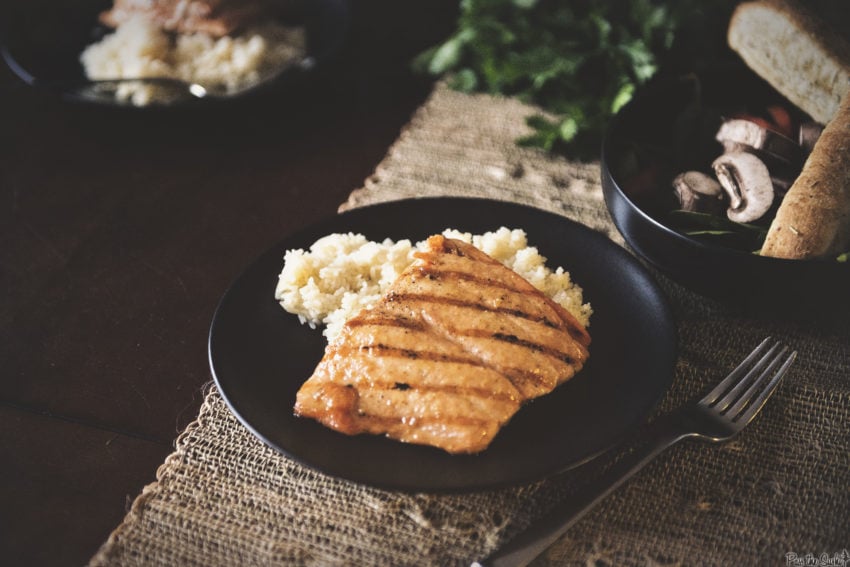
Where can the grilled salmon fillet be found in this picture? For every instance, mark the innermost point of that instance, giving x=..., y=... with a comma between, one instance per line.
x=447, y=356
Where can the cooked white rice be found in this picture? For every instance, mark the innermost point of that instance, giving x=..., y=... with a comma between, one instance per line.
x=342, y=274
x=139, y=49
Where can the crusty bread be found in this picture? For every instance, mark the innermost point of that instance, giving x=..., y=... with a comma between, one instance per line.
x=813, y=220
x=799, y=54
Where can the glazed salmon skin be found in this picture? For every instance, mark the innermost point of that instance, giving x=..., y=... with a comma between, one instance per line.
x=447, y=356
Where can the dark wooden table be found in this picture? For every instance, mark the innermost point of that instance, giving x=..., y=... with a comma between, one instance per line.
x=120, y=231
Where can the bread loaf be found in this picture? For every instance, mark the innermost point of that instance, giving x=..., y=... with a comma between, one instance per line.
x=813, y=220
x=799, y=54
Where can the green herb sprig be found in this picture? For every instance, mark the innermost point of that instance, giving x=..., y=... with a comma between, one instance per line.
x=718, y=230
x=579, y=60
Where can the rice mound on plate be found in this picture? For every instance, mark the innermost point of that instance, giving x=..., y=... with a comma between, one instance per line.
x=138, y=49
x=342, y=274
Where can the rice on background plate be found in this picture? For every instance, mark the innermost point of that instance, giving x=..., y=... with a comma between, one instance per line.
x=139, y=49
x=341, y=274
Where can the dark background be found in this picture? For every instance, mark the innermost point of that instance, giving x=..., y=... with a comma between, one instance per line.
x=120, y=231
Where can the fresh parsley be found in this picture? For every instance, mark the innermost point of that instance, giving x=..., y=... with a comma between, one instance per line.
x=579, y=60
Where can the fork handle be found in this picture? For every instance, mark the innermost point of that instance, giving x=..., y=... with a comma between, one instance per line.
x=538, y=537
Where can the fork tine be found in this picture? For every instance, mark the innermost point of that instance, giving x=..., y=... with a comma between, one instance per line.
x=772, y=360
x=756, y=405
x=735, y=375
x=734, y=394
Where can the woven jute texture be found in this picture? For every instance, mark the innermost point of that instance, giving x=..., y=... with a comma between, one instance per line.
x=782, y=487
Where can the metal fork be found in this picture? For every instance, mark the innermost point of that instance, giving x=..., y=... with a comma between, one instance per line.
x=718, y=416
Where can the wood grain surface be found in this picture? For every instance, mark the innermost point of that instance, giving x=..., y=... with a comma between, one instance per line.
x=120, y=231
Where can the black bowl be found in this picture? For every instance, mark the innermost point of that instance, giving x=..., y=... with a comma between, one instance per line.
x=668, y=128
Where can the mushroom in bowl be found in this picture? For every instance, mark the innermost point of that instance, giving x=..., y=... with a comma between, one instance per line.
x=693, y=189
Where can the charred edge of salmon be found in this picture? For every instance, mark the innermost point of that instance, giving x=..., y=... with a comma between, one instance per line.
x=573, y=327
x=441, y=244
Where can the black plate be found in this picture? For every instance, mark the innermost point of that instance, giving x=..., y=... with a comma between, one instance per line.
x=42, y=41
x=260, y=355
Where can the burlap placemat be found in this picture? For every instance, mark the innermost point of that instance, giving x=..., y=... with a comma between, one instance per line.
x=783, y=487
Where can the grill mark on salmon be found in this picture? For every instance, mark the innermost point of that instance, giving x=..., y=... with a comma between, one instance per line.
x=513, y=339
x=432, y=273
x=517, y=376
x=447, y=356
x=562, y=318
x=385, y=321
x=461, y=391
x=385, y=422
x=473, y=305
x=386, y=350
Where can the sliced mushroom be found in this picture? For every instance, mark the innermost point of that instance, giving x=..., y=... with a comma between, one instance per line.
x=745, y=135
x=780, y=185
x=698, y=192
x=746, y=180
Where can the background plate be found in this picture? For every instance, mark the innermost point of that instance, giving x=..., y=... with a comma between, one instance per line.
x=260, y=355
x=41, y=42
